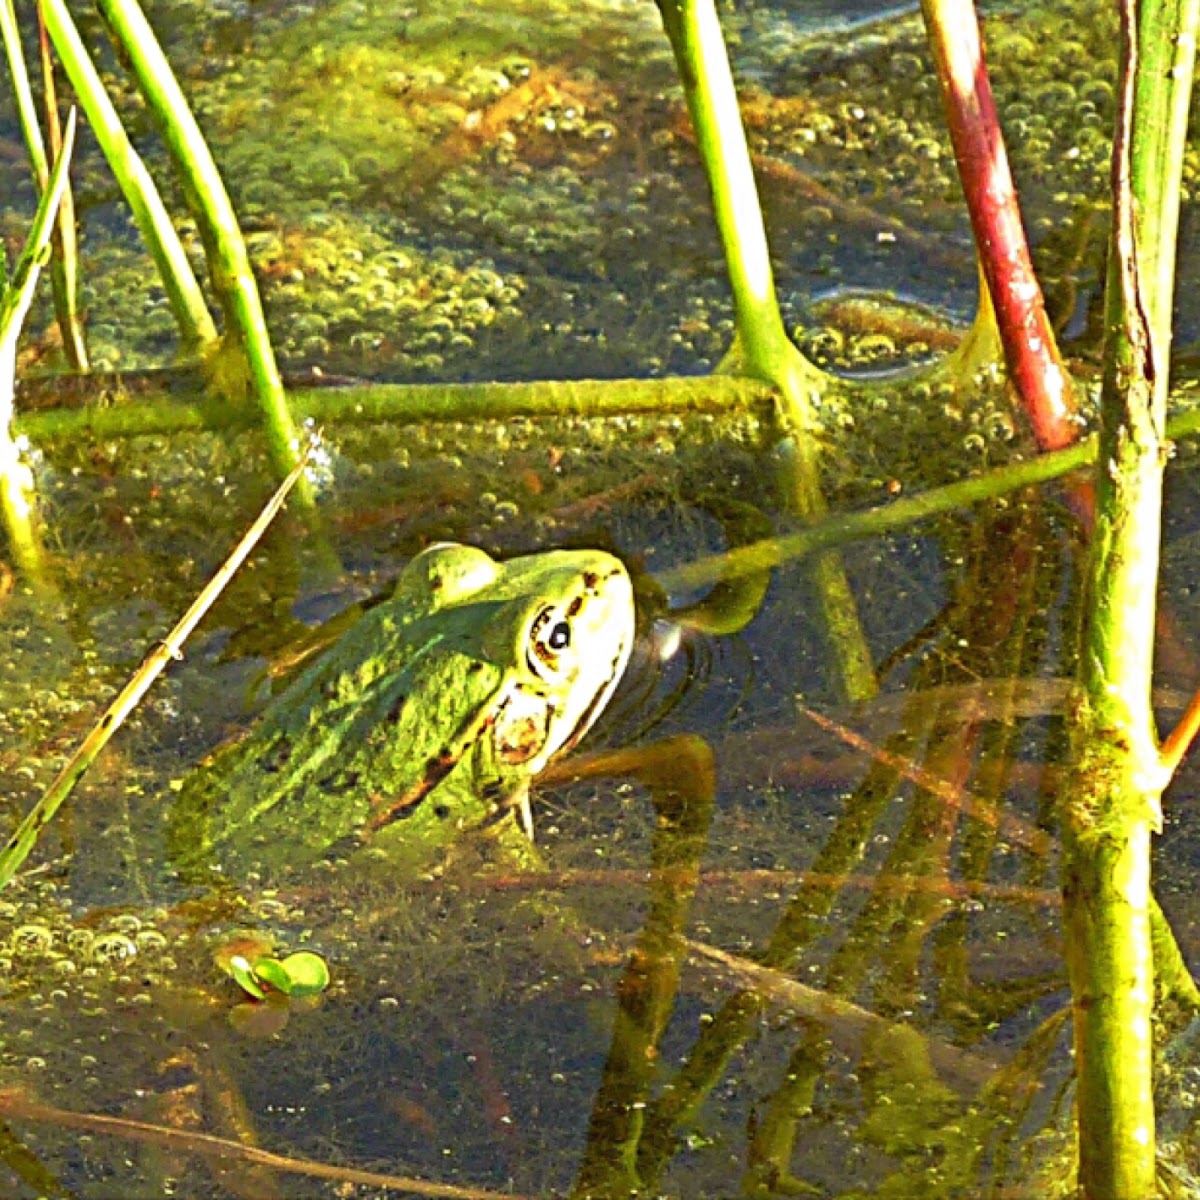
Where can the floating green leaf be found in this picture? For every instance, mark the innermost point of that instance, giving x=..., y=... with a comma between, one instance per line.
x=300, y=974
x=250, y=961
x=246, y=976
x=273, y=973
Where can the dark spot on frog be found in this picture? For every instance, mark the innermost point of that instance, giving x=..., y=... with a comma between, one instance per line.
x=574, y=607
x=337, y=783
x=404, y=805
x=591, y=581
x=276, y=758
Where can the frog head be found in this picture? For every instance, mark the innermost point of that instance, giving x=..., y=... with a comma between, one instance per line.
x=533, y=648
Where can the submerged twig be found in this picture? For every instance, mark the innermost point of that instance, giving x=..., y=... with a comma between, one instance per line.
x=17, y=1107
x=953, y=794
x=757, y=881
x=680, y=774
x=846, y=1023
x=17, y=848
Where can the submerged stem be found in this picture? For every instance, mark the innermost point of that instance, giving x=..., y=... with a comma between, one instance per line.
x=763, y=349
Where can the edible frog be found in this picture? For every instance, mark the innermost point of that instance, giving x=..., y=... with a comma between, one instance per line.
x=426, y=721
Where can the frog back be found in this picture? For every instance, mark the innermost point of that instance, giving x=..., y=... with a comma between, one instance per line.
x=359, y=741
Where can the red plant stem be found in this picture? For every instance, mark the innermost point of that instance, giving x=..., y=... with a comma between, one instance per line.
x=1030, y=348
x=1181, y=737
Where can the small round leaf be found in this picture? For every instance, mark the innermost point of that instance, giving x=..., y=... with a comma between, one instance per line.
x=307, y=972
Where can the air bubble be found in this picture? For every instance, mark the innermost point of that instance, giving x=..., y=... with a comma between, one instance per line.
x=111, y=948
x=31, y=940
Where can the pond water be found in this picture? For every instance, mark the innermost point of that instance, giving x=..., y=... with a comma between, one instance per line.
x=781, y=943
x=432, y=194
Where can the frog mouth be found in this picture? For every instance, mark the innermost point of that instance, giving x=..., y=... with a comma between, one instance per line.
x=599, y=700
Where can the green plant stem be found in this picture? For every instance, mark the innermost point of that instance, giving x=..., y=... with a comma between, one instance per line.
x=416, y=404
x=763, y=349
x=23, y=93
x=466, y=402
x=425, y=403
x=1111, y=803
x=62, y=271
x=874, y=522
x=16, y=500
x=1163, y=87
x=228, y=261
x=898, y=514
x=18, y=293
x=196, y=328
x=714, y=394
x=1173, y=980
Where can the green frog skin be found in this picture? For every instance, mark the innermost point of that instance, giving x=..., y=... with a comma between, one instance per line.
x=424, y=723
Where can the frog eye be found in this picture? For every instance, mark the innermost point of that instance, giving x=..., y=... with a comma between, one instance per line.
x=549, y=635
